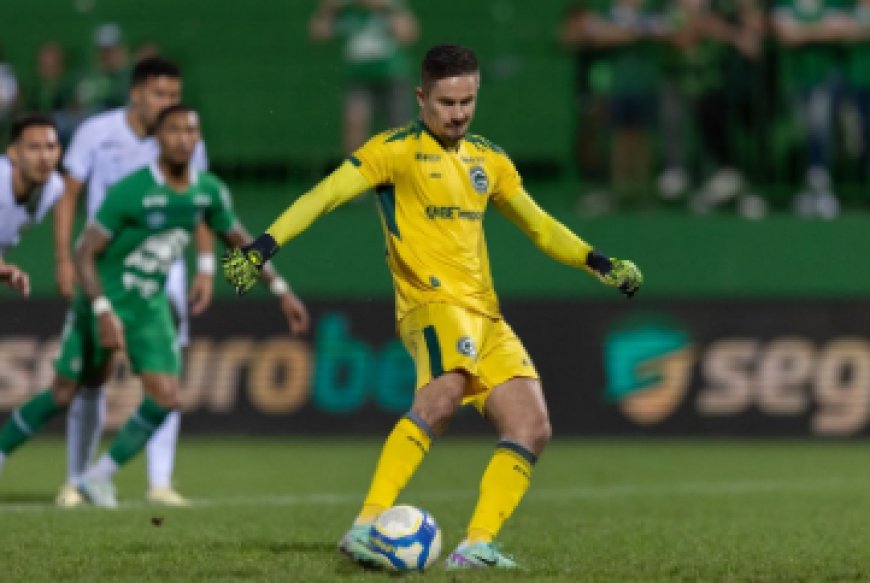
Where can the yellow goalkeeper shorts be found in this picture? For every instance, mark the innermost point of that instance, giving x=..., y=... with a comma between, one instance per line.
x=445, y=337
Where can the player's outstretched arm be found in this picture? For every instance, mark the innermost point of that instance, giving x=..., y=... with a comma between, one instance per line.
x=91, y=243
x=242, y=266
x=292, y=307
x=15, y=278
x=557, y=241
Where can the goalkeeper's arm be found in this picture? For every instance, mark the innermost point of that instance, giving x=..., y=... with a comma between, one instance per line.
x=242, y=266
x=557, y=241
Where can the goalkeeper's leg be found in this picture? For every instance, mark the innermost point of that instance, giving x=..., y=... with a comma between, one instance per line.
x=406, y=446
x=519, y=413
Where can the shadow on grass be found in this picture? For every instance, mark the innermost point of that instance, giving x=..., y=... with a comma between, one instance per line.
x=35, y=499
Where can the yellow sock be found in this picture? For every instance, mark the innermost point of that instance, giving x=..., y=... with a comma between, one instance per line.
x=503, y=485
x=402, y=453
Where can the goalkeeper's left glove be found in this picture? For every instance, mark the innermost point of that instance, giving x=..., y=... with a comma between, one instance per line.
x=619, y=273
x=242, y=267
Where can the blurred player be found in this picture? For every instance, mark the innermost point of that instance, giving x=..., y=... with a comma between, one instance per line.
x=29, y=187
x=433, y=183
x=104, y=149
x=122, y=258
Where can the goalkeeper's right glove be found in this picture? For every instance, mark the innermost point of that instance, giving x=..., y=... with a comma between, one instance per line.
x=242, y=267
x=619, y=273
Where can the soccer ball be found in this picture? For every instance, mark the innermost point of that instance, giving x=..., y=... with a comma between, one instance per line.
x=407, y=538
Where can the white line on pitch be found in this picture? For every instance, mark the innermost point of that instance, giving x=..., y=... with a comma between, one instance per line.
x=746, y=487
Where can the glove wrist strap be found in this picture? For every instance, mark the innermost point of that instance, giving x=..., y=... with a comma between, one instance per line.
x=599, y=262
x=261, y=249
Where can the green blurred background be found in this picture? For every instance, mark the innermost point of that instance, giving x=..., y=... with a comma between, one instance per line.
x=268, y=94
x=271, y=101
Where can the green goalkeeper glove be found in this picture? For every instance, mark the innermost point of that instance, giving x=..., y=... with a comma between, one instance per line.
x=242, y=267
x=619, y=273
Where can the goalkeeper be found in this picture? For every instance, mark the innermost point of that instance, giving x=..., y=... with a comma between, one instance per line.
x=433, y=182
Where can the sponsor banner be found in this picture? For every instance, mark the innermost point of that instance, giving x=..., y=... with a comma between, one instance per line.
x=693, y=368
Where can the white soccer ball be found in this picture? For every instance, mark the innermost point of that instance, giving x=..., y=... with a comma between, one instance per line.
x=407, y=538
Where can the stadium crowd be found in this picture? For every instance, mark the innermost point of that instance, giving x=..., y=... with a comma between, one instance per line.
x=702, y=93
x=699, y=101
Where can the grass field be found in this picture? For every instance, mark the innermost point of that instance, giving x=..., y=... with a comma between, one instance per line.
x=271, y=510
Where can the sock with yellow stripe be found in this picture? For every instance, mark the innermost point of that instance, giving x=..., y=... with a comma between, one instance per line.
x=403, y=451
x=27, y=420
x=503, y=485
x=137, y=431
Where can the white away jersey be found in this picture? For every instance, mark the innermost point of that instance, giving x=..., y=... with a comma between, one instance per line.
x=105, y=149
x=15, y=217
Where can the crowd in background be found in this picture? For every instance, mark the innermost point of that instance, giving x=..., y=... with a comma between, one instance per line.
x=701, y=96
x=698, y=101
x=72, y=90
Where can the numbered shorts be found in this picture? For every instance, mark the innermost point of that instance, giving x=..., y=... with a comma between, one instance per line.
x=445, y=337
x=149, y=333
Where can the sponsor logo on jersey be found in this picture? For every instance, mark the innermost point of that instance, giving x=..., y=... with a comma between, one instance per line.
x=201, y=199
x=466, y=346
x=452, y=212
x=424, y=157
x=479, y=179
x=152, y=200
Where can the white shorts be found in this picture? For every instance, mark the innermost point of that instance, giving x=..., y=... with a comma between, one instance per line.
x=176, y=290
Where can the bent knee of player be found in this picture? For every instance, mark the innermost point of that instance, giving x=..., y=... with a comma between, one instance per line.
x=436, y=413
x=437, y=402
x=63, y=390
x=163, y=389
x=541, y=434
x=533, y=431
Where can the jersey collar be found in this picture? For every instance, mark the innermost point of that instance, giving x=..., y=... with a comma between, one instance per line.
x=419, y=121
x=160, y=179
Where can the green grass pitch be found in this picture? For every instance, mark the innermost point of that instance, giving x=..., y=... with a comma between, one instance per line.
x=644, y=510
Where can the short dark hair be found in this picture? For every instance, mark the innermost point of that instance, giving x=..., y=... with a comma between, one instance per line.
x=443, y=61
x=28, y=120
x=177, y=108
x=153, y=67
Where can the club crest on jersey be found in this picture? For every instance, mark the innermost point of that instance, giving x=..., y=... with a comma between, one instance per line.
x=466, y=346
x=155, y=220
x=479, y=179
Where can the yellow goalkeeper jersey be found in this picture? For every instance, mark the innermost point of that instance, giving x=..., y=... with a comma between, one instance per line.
x=432, y=201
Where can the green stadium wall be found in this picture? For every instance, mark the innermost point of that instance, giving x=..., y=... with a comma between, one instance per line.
x=267, y=94
x=717, y=256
